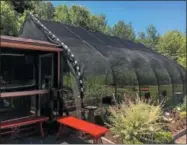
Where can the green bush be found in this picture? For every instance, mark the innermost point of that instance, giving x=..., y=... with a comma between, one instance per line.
x=163, y=137
x=157, y=138
x=138, y=119
x=94, y=90
x=97, y=91
x=183, y=114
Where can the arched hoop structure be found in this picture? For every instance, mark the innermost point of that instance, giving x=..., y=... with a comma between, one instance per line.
x=109, y=62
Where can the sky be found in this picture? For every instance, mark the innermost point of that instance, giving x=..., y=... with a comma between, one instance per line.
x=165, y=15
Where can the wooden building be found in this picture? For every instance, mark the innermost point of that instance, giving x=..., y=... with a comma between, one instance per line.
x=30, y=76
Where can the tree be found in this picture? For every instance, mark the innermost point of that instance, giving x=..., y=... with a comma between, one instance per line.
x=13, y=14
x=97, y=23
x=182, y=51
x=62, y=14
x=43, y=9
x=8, y=21
x=123, y=30
x=21, y=18
x=142, y=38
x=173, y=45
x=108, y=30
x=152, y=36
x=142, y=35
x=79, y=16
x=75, y=15
x=20, y=5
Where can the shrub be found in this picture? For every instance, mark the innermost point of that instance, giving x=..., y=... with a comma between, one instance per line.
x=163, y=137
x=183, y=114
x=97, y=91
x=158, y=138
x=136, y=121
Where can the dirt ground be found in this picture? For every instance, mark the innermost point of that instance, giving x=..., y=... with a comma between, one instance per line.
x=110, y=137
x=181, y=140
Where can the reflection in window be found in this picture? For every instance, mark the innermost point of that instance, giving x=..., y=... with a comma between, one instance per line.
x=17, y=74
x=16, y=71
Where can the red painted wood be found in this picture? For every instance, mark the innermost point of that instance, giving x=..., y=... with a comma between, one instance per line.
x=11, y=39
x=15, y=45
x=21, y=129
x=22, y=122
x=87, y=127
x=23, y=93
x=59, y=67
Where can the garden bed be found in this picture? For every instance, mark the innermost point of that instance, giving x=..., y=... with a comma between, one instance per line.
x=181, y=140
x=128, y=117
x=175, y=133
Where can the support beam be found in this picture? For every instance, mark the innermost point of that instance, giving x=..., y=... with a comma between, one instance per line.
x=23, y=93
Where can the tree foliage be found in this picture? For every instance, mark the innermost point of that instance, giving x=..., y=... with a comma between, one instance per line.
x=43, y=9
x=142, y=38
x=98, y=23
x=79, y=16
x=8, y=19
x=62, y=14
x=20, y=5
x=108, y=30
x=150, y=38
x=173, y=45
x=123, y=30
x=152, y=35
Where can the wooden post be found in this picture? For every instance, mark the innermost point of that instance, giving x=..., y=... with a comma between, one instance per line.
x=38, y=81
x=60, y=93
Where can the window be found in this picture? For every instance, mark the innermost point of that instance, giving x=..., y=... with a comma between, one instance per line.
x=17, y=73
x=16, y=70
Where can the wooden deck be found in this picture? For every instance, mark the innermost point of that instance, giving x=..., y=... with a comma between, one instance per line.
x=50, y=139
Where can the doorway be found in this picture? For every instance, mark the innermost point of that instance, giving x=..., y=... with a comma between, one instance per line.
x=45, y=82
x=46, y=71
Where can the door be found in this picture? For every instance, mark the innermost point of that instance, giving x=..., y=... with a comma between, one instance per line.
x=46, y=81
x=46, y=71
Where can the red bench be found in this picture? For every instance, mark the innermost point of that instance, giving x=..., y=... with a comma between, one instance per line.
x=92, y=129
x=15, y=124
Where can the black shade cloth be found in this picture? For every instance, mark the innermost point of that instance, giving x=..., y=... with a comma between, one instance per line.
x=113, y=60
